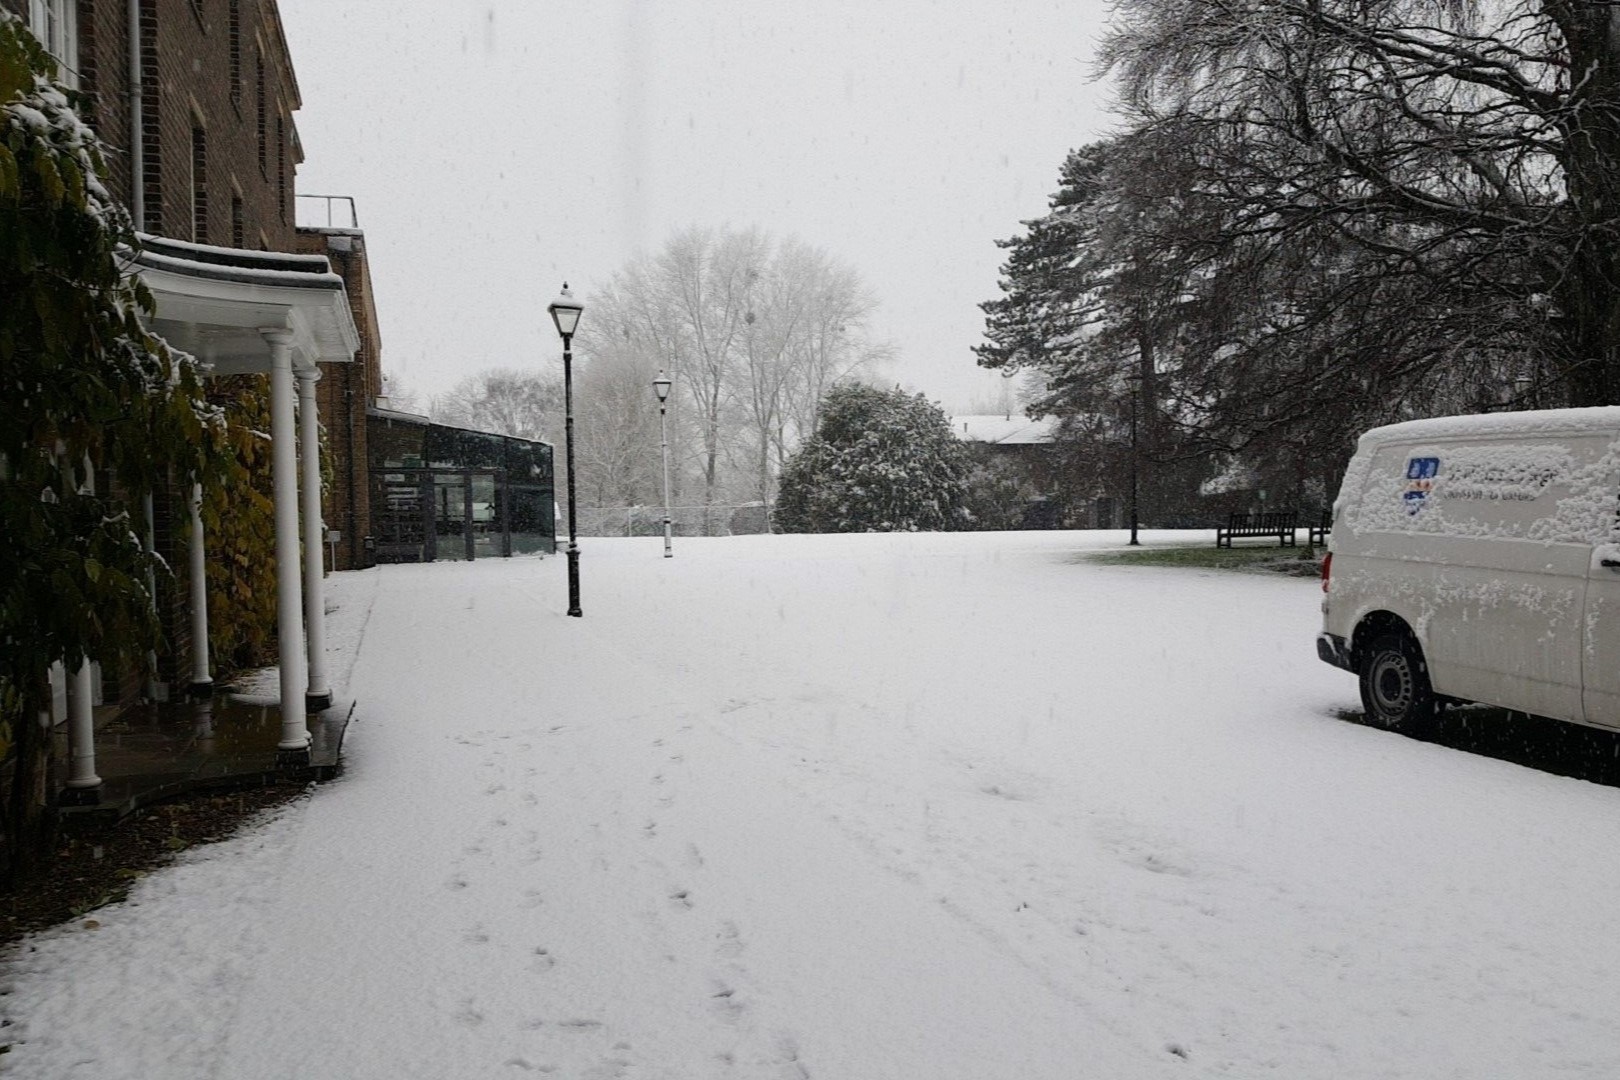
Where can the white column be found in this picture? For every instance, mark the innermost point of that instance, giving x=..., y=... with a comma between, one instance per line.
x=81, y=697
x=319, y=694
x=202, y=680
x=81, y=731
x=289, y=616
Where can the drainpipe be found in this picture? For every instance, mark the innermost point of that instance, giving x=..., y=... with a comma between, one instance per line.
x=150, y=686
x=318, y=694
x=354, y=492
x=137, y=140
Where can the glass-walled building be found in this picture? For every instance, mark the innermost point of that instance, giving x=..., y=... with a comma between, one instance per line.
x=440, y=492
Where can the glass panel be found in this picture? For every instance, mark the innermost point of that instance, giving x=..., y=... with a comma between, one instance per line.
x=487, y=534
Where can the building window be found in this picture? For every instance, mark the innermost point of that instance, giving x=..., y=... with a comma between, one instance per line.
x=199, y=184
x=264, y=130
x=238, y=232
x=56, y=24
x=281, y=166
x=234, y=33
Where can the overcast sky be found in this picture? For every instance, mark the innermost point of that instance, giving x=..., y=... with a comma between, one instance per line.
x=498, y=147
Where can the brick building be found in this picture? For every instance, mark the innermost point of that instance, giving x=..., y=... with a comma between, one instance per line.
x=193, y=102
x=216, y=96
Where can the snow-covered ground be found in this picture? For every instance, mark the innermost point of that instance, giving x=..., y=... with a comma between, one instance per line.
x=858, y=807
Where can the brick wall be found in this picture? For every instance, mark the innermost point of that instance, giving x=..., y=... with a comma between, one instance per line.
x=201, y=62
x=344, y=393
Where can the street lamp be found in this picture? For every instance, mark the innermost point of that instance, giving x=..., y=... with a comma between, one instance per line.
x=565, y=311
x=1136, y=391
x=661, y=387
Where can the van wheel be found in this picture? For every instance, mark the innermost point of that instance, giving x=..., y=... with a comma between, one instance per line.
x=1395, y=688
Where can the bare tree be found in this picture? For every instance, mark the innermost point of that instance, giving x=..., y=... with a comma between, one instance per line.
x=752, y=330
x=527, y=404
x=1459, y=160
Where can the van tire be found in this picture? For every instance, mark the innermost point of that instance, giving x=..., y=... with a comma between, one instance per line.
x=1395, y=690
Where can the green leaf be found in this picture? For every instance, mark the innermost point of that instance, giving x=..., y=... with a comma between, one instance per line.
x=50, y=180
x=8, y=173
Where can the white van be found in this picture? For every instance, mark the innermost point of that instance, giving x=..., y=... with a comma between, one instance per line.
x=1477, y=558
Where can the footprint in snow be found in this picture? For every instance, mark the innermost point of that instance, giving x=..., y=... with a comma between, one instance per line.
x=730, y=941
x=681, y=898
x=725, y=1004
x=542, y=960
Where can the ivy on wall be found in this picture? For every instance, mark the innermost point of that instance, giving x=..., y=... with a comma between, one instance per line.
x=239, y=530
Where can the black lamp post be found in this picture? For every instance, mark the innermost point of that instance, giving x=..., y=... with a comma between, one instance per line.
x=661, y=387
x=565, y=311
x=1136, y=391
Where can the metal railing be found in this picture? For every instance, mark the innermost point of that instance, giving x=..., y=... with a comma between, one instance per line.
x=732, y=519
x=311, y=208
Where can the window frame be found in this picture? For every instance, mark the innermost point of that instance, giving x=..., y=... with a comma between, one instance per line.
x=55, y=25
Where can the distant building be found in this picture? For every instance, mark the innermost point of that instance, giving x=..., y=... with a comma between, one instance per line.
x=442, y=492
x=1027, y=449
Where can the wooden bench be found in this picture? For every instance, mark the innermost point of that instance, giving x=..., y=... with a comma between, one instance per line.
x=1319, y=532
x=1278, y=523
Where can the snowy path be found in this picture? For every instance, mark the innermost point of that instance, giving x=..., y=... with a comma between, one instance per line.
x=857, y=807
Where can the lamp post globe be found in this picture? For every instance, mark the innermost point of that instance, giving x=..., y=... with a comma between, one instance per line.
x=565, y=312
x=661, y=386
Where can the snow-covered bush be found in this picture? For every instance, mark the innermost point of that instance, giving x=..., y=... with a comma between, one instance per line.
x=879, y=461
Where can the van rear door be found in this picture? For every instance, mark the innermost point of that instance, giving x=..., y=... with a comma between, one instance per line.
x=1495, y=537
x=1600, y=654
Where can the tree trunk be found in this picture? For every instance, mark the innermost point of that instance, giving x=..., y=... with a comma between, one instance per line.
x=1589, y=284
x=30, y=824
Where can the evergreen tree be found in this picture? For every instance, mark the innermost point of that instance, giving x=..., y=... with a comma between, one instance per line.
x=879, y=461
x=86, y=388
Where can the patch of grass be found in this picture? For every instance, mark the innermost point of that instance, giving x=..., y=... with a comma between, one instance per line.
x=94, y=865
x=1299, y=562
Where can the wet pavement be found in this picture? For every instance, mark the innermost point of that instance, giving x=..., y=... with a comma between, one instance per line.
x=151, y=752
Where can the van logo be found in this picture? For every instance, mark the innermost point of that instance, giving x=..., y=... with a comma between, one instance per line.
x=1420, y=473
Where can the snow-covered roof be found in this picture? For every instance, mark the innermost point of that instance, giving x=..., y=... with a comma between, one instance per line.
x=399, y=415
x=420, y=420
x=279, y=268
x=1004, y=430
x=1538, y=422
x=216, y=303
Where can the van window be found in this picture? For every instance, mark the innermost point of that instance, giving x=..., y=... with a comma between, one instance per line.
x=1549, y=491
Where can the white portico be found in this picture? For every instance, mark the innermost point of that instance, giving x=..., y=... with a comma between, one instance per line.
x=262, y=312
